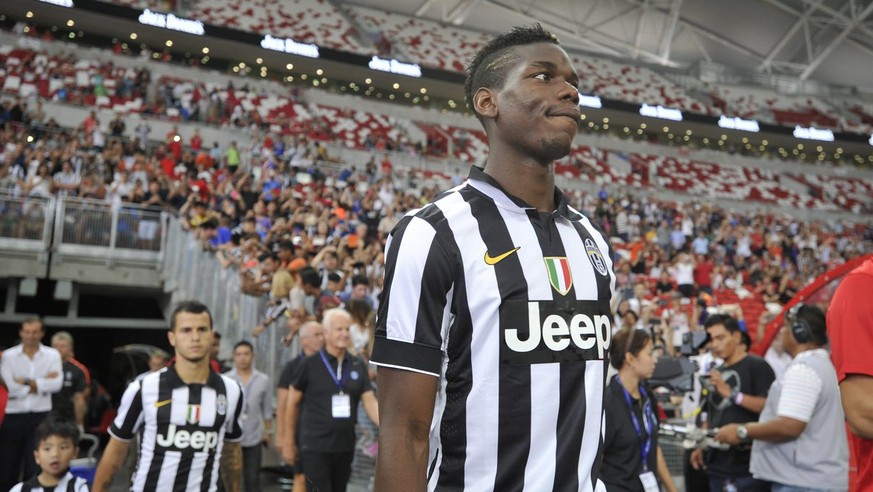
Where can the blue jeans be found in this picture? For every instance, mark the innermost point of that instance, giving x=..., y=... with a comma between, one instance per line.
x=778, y=487
x=742, y=484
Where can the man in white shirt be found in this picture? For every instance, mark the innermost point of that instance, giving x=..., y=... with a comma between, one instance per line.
x=800, y=440
x=32, y=372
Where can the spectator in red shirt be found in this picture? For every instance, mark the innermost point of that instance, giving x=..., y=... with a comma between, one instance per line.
x=196, y=141
x=703, y=273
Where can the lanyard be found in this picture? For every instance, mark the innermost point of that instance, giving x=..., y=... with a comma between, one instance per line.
x=648, y=422
x=338, y=378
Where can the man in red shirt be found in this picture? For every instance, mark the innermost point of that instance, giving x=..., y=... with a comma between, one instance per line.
x=850, y=328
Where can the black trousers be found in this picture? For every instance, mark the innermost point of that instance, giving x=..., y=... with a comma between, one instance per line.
x=251, y=468
x=327, y=472
x=17, y=443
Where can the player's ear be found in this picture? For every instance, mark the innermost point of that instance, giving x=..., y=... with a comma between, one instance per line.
x=485, y=102
x=171, y=336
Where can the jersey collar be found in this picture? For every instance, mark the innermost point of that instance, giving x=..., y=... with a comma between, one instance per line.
x=491, y=188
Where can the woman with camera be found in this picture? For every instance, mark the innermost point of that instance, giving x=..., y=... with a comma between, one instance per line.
x=632, y=459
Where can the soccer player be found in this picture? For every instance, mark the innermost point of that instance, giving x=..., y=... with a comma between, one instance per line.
x=189, y=415
x=494, y=329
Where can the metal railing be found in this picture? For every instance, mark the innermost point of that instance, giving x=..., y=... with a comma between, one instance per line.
x=77, y=227
x=25, y=222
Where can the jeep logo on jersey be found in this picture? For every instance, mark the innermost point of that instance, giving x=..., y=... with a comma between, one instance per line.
x=181, y=439
x=555, y=331
x=595, y=256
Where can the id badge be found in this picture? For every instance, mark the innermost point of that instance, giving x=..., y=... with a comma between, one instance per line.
x=341, y=406
x=650, y=483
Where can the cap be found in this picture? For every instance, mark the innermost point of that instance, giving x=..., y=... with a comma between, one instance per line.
x=296, y=264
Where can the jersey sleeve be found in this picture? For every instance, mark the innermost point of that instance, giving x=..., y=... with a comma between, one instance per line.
x=128, y=419
x=413, y=314
x=849, y=319
x=233, y=429
x=81, y=485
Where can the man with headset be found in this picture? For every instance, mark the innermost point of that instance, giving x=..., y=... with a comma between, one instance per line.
x=800, y=440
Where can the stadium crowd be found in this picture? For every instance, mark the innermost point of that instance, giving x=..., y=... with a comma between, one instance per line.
x=297, y=203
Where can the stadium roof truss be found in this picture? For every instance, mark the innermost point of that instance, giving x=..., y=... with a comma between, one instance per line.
x=826, y=40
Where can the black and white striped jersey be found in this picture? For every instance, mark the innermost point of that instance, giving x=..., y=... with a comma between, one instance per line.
x=183, y=429
x=67, y=483
x=510, y=309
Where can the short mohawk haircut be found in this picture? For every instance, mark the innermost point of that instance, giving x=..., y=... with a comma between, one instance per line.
x=492, y=62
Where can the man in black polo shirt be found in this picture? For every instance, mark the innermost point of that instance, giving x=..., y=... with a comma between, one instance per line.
x=329, y=385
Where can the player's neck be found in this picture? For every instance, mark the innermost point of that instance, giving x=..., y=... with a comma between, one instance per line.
x=49, y=480
x=191, y=372
x=530, y=181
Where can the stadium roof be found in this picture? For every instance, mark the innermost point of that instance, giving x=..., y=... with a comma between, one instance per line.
x=825, y=40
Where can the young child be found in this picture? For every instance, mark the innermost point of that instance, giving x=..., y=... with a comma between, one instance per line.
x=57, y=445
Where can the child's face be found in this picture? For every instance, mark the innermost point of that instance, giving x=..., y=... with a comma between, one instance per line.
x=54, y=455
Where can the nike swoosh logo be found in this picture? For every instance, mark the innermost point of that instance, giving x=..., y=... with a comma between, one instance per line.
x=493, y=260
x=159, y=404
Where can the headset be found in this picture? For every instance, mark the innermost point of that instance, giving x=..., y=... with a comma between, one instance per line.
x=799, y=327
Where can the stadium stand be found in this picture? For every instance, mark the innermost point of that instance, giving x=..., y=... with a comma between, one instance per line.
x=421, y=41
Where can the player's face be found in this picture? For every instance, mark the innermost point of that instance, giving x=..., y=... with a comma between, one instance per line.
x=242, y=358
x=192, y=336
x=338, y=336
x=54, y=455
x=537, y=110
x=722, y=342
x=644, y=362
x=31, y=333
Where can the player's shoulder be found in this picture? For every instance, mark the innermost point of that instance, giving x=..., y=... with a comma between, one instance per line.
x=80, y=484
x=230, y=383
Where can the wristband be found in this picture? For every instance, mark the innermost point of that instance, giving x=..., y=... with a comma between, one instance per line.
x=738, y=400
